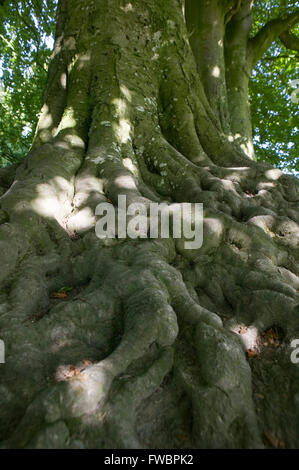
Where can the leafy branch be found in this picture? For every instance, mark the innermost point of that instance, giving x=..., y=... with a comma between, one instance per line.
x=258, y=45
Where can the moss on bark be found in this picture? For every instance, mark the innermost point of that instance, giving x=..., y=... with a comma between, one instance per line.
x=151, y=329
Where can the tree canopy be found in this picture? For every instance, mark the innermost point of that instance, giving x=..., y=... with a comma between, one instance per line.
x=274, y=113
x=26, y=39
x=26, y=30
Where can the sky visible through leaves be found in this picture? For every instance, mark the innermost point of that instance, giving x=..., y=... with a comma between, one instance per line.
x=26, y=41
x=275, y=116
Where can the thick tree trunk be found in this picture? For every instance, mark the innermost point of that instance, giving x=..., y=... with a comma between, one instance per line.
x=129, y=109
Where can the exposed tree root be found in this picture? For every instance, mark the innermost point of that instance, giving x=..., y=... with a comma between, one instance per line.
x=160, y=324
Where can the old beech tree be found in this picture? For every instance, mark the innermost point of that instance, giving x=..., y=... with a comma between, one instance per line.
x=154, y=345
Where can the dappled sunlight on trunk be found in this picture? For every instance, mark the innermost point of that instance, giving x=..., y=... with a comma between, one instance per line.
x=156, y=324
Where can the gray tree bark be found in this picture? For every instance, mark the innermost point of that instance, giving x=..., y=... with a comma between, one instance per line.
x=155, y=346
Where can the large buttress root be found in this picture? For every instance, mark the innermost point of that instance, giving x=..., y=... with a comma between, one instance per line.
x=146, y=350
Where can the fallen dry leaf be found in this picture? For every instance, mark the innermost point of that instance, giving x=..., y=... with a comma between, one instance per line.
x=273, y=441
x=72, y=372
x=251, y=353
x=243, y=330
x=59, y=295
x=86, y=362
x=272, y=337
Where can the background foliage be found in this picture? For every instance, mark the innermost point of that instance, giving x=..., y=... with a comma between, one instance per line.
x=274, y=115
x=26, y=32
x=26, y=29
